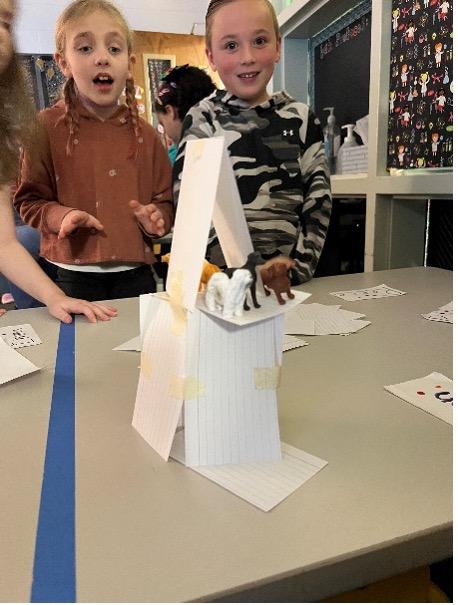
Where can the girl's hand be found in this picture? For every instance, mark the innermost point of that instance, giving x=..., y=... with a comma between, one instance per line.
x=62, y=306
x=76, y=219
x=2, y=312
x=150, y=218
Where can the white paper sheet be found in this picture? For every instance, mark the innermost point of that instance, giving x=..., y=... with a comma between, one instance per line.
x=159, y=396
x=134, y=344
x=264, y=485
x=269, y=308
x=432, y=393
x=317, y=320
x=12, y=364
x=381, y=291
x=231, y=418
x=291, y=342
x=22, y=335
x=443, y=314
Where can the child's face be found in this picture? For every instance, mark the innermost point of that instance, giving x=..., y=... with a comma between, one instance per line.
x=97, y=57
x=6, y=41
x=244, y=48
x=170, y=122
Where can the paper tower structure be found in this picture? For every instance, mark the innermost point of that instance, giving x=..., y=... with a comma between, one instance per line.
x=214, y=379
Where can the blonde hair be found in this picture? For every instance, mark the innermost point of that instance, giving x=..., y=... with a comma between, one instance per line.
x=214, y=7
x=76, y=10
x=17, y=119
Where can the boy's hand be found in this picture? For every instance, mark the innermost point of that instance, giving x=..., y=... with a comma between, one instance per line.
x=76, y=219
x=288, y=262
x=150, y=217
x=62, y=306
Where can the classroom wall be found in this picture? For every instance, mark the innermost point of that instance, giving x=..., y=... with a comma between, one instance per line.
x=34, y=29
x=186, y=48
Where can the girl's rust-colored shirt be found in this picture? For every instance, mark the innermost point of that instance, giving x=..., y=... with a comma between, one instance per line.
x=101, y=176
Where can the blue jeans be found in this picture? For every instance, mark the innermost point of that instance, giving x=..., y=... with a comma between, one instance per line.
x=30, y=239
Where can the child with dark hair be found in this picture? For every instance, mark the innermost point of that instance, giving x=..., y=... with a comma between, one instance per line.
x=181, y=88
x=100, y=189
x=18, y=127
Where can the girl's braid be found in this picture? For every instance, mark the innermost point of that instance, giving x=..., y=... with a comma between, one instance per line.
x=131, y=103
x=71, y=115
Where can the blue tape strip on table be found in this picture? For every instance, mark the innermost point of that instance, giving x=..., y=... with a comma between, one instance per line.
x=54, y=573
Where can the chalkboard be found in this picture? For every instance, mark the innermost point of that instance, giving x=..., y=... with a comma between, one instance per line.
x=341, y=67
x=155, y=66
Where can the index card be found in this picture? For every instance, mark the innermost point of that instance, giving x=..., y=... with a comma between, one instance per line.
x=317, y=319
x=20, y=336
x=13, y=364
x=208, y=191
x=432, y=393
x=264, y=485
x=159, y=396
x=444, y=314
x=291, y=342
x=232, y=419
x=269, y=308
x=201, y=172
x=134, y=344
x=228, y=218
x=381, y=291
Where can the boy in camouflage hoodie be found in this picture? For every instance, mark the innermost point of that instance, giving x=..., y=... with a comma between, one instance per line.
x=275, y=143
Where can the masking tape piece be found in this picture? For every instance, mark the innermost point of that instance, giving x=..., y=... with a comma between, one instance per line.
x=186, y=388
x=176, y=294
x=267, y=379
x=146, y=366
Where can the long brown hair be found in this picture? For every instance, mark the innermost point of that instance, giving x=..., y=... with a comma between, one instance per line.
x=17, y=119
x=73, y=11
x=214, y=7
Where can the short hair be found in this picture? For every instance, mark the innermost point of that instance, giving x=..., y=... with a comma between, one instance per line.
x=214, y=7
x=182, y=88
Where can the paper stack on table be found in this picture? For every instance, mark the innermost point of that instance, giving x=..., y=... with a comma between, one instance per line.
x=316, y=319
x=444, y=313
x=432, y=393
x=13, y=365
x=381, y=291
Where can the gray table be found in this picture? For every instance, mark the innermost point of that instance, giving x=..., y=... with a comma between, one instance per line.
x=147, y=530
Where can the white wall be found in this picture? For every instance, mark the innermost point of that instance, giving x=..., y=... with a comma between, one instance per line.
x=34, y=29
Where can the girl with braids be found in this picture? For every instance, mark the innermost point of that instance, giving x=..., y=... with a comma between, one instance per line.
x=17, y=127
x=181, y=88
x=275, y=143
x=100, y=190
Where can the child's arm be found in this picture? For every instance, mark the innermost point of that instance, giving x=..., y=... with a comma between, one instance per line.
x=316, y=209
x=156, y=218
x=36, y=197
x=18, y=266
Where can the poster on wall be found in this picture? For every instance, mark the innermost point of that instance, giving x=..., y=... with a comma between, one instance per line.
x=154, y=67
x=420, y=121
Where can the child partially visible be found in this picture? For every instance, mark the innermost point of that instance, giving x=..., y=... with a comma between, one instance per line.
x=100, y=190
x=275, y=143
x=17, y=127
x=180, y=89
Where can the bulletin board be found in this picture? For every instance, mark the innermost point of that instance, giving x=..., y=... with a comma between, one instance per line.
x=44, y=79
x=154, y=67
x=340, y=64
x=420, y=122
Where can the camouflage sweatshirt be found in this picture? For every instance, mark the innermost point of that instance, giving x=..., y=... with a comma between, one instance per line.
x=277, y=153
